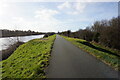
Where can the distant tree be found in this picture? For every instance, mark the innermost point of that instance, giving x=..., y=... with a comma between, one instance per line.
x=68, y=33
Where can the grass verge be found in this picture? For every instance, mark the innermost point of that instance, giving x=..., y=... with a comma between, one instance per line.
x=29, y=60
x=108, y=56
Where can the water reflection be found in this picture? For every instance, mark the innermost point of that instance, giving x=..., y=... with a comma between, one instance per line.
x=5, y=42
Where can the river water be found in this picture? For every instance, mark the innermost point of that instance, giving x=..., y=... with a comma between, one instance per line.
x=6, y=41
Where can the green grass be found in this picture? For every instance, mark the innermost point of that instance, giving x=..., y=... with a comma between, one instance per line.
x=108, y=56
x=114, y=51
x=29, y=60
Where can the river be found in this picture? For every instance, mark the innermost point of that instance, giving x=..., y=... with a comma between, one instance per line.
x=6, y=41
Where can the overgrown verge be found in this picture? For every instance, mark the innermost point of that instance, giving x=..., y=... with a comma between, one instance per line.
x=106, y=55
x=28, y=60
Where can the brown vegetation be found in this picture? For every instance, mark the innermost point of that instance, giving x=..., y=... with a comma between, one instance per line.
x=105, y=32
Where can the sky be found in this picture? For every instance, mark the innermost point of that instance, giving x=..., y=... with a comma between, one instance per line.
x=54, y=16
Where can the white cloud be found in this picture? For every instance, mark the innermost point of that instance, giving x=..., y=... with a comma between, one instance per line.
x=80, y=6
x=18, y=19
x=45, y=13
x=75, y=8
x=3, y=6
x=43, y=20
x=64, y=5
x=46, y=19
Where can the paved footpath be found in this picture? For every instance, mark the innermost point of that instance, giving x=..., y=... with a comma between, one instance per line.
x=68, y=61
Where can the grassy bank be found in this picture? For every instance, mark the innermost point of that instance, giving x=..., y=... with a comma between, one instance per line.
x=108, y=56
x=29, y=60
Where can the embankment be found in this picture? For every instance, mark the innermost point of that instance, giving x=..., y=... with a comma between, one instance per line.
x=29, y=60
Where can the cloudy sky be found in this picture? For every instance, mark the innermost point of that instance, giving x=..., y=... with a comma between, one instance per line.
x=54, y=16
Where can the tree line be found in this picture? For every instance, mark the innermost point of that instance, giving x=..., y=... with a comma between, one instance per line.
x=106, y=32
x=13, y=33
